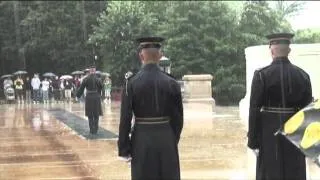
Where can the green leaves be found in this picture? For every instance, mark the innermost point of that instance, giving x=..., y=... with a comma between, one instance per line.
x=201, y=37
x=53, y=34
x=118, y=30
x=307, y=36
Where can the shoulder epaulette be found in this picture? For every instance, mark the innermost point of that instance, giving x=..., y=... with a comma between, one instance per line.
x=304, y=73
x=258, y=72
x=128, y=75
x=262, y=68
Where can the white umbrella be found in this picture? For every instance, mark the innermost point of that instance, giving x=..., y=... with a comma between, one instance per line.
x=49, y=74
x=66, y=77
x=20, y=72
x=6, y=76
x=106, y=74
x=77, y=73
x=86, y=70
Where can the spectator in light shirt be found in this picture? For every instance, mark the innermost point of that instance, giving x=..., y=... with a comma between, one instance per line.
x=67, y=90
x=18, y=84
x=45, y=90
x=35, y=83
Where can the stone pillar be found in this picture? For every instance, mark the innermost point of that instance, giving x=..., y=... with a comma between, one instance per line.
x=198, y=93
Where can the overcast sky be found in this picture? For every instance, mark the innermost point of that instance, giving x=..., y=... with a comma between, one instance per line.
x=309, y=17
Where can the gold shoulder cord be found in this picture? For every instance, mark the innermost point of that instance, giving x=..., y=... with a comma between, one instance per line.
x=127, y=76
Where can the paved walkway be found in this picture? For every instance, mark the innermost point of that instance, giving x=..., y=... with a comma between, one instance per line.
x=35, y=145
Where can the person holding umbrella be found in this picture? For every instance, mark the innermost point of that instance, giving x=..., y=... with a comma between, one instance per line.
x=49, y=76
x=18, y=84
x=93, y=107
x=27, y=87
x=77, y=84
x=107, y=90
x=8, y=87
x=67, y=89
x=7, y=82
x=278, y=91
x=35, y=83
x=56, y=89
x=45, y=90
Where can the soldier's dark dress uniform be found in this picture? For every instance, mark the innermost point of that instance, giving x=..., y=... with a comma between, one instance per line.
x=278, y=91
x=154, y=98
x=93, y=108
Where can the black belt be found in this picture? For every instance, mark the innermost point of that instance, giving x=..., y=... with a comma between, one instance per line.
x=279, y=109
x=152, y=120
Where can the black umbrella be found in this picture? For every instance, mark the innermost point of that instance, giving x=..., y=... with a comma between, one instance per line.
x=20, y=72
x=6, y=76
x=49, y=74
x=77, y=73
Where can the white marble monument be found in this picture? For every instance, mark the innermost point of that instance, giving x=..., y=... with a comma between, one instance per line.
x=198, y=93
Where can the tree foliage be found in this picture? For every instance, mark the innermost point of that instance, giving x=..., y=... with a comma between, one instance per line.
x=53, y=35
x=287, y=9
x=307, y=36
x=201, y=37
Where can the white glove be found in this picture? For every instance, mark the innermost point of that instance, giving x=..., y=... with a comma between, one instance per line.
x=256, y=152
x=125, y=159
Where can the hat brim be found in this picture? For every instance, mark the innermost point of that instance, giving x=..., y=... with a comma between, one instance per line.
x=280, y=36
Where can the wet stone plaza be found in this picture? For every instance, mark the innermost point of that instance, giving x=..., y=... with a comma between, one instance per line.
x=51, y=141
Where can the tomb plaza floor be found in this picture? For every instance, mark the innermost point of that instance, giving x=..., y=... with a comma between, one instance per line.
x=34, y=144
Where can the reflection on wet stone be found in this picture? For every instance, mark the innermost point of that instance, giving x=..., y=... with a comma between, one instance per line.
x=40, y=146
x=80, y=125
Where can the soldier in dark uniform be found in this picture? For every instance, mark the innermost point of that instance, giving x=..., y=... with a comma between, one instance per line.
x=277, y=92
x=93, y=108
x=154, y=98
